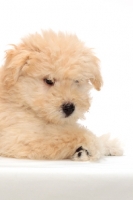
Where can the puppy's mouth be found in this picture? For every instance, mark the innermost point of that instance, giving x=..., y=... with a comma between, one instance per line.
x=68, y=109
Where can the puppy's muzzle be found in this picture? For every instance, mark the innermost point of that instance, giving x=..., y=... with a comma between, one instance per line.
x=68, y=109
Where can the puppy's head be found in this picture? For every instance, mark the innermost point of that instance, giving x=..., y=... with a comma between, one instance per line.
x=51, y=74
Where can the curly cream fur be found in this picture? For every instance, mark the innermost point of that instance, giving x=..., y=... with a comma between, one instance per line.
x=32, y=123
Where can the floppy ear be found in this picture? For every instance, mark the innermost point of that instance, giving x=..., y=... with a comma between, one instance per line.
x=96, y=78
x=94, y=70
x=15, y=60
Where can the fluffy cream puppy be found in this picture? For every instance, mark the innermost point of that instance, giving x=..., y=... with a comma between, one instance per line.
x=44, y=89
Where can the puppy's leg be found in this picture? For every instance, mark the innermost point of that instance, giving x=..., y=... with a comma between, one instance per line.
x=105, y=147
x=91, y=149
x=55, y=142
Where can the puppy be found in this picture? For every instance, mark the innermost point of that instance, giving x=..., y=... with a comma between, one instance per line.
x=44, y=89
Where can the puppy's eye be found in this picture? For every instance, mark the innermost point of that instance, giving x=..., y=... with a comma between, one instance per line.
x=49, y=82
x=76, y=81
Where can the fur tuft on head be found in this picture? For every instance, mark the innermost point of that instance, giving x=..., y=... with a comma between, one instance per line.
x=60, y=52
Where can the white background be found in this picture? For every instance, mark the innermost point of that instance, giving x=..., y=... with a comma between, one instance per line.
x=104, y=25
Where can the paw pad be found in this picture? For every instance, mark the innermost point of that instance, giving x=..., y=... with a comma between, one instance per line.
x=81, y=154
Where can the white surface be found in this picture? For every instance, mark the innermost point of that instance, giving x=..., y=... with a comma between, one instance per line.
x=108, y=27
x=109, y=179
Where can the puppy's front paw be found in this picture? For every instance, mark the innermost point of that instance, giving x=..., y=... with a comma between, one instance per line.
x=81, y=154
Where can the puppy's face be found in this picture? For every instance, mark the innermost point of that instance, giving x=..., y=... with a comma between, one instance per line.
x=51, y=74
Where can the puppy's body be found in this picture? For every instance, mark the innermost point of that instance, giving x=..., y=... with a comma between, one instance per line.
x=24, y=135
x=44, y=90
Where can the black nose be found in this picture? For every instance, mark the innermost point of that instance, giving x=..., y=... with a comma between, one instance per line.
x=68, y=108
